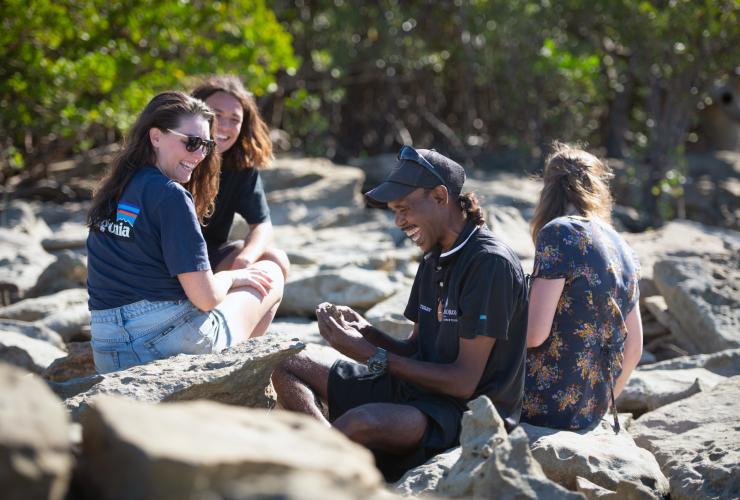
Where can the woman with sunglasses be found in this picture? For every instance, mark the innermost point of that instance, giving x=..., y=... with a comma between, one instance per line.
x=152, y=293
x=242, y=139
x=584, y=333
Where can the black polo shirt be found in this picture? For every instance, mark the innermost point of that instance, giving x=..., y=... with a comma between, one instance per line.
x=240, y=191
x=476, y=288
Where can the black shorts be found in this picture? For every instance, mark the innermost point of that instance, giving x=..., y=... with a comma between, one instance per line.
x=219, y=251
x=352, y=385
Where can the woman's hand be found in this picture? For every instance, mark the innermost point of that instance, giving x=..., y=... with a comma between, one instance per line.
x=253, y=278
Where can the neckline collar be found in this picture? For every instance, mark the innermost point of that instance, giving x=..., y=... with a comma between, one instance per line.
x=468, y=230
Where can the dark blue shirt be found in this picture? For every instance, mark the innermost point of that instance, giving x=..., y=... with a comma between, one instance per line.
x=567, y=380
x=155, y=237
x=240, y=191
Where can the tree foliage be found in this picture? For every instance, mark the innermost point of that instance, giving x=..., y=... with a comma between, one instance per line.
x=77, y=72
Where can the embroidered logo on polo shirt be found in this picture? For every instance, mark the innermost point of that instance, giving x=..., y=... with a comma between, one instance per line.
x=447, y=314
x=425, y=308
x=123, y=227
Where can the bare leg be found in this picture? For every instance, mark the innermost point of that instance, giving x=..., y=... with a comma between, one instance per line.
x=300, y=379
x=275, y=255
x=393, y=428
x=247, y=313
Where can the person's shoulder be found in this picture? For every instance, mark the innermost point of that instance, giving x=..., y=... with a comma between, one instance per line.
x=486, y=246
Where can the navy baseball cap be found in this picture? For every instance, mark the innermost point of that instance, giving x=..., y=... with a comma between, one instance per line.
x=418, y=168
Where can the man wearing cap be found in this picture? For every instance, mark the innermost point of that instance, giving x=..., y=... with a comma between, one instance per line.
x=405, y=399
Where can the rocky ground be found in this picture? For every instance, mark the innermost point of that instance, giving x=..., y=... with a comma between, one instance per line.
x=66, y=432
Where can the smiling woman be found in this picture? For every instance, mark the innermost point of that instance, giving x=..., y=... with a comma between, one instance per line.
x=152, y=291
x=243, y=140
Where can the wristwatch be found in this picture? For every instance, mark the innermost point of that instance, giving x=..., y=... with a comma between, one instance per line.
x=378, y=362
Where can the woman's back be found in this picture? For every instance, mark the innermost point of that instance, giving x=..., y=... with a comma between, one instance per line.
x=567, y=379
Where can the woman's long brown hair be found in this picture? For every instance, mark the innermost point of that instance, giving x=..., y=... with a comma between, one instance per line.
x=573, y=180
x=253, y=147
x=164, y=111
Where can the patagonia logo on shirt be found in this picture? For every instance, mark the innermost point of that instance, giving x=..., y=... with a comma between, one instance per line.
x=122, y=228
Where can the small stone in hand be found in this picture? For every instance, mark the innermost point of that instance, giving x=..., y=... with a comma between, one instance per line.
x=334, y=312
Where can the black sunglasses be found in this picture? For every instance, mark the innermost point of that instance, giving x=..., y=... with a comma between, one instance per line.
x=409, y=153
x=194, y=142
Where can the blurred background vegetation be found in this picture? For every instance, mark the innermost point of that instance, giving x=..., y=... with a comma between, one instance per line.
x=490, y=83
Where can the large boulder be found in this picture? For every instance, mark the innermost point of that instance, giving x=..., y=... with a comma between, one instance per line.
x=35, y=449
x=199, y=449
x=598, y=455
x=67, y=236
x=33, y=309
x=652, y=386
x=69, y=270
x=703, y=294
x=424, y=479
x=77, y=363
x=680, y=238
x=27, y=353
x=495, y=464
x=22, y=260
x=697, y=442
x=388, y=315
x=355, y=287
x=508, y=224
x=32, y=330
x=239, y=375
x=300, y=189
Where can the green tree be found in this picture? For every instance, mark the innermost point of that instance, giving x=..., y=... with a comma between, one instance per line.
x=75, y=73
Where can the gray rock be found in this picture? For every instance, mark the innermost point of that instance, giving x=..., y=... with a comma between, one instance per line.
x=424, y=480
x=35, y=449
x=22, y=260
x=20, y=215
x=696, y=441
x=69, y=235
x=508, y=224
x=32, y=330
x=202, y=449
x=659, y=384
x=388, y=315
x=69, y=270
x=238, y=375
x=355, y=287
x=33, y=309
x=680, y=238
x=705, y=298
x=493, y=463
x=27, y=353
x=597, y=454
x=300, y=189
x=73, y=324
x=305, y=330
x=77, y=362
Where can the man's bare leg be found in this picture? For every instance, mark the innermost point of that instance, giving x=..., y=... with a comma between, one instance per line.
x=393, y=428
x=300, y=379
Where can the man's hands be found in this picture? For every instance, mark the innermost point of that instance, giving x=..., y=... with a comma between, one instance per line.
x=341, y=327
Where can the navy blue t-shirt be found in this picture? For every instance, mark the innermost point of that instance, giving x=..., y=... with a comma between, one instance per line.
x=155, y=237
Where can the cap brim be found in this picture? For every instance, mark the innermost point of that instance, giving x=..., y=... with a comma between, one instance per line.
x=388, y=191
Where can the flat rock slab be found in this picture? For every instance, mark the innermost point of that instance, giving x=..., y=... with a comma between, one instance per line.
x=238, y=375
x=388, y=315
x=652, y=386
x=696, y=441
x=35, y=449
x=32, y=330
x=185, y=450
x=598, y=455
x=704, y=296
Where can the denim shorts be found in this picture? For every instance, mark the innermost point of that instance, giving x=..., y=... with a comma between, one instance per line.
x=145, y=331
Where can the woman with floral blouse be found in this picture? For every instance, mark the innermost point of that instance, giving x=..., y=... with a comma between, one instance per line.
x=584, y=336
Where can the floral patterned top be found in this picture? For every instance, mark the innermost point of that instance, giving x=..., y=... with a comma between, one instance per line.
x=568, y=378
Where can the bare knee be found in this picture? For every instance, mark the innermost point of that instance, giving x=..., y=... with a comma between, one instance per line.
x=360, y=425
x=280, y=258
